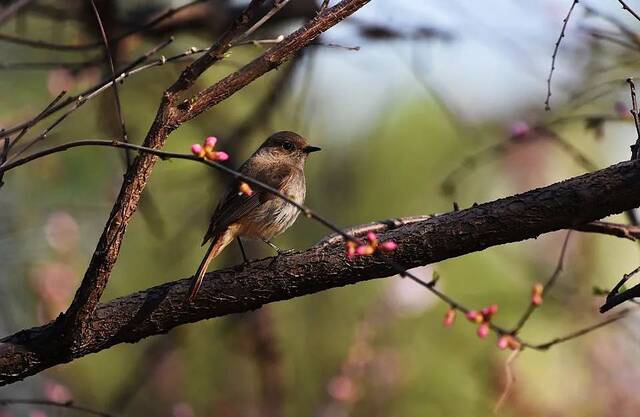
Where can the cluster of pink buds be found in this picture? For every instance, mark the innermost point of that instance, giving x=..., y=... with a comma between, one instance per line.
x=245, y=189
x=508, y=341
x=372, y=245
x=536, y=294
x=206, y=150
x=482, y=318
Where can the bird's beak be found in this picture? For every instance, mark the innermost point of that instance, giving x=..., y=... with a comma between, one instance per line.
x=309, y=149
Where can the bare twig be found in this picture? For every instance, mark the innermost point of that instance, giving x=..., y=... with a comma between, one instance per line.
x=12, y=8
x=91, y=45
x=581, y=332
x=547, y=286
x=82, y=98
x=116, y=95
x=69, y=405
x=625, y=231
x=615, y=298
x=278, y=4
x=629, y=9
x=636, y=120
x=555, y=54
x=510, y=379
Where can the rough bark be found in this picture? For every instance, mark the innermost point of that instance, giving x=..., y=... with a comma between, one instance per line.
x=159, y=309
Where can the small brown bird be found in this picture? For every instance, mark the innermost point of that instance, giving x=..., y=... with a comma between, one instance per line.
x=279, y=163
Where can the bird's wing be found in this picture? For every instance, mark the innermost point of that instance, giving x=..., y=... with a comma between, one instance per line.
x=234, y=205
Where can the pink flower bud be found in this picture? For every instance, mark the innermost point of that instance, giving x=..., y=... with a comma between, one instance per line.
x=508, y=341
x=245, y=189
x=536, y=294
x=196, y=149
x=211, y=141
x=487, y=312
x=372, y=238
x=221, y=156
x=474, y=316
x=351, y=249
x=483, y=330
x=389, y=245
x=365, y=250
x=503, y=342
x=449, y=317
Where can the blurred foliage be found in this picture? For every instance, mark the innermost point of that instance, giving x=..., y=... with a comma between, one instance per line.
x=392, y=167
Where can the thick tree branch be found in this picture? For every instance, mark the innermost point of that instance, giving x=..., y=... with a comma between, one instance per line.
x=108, y=248
x=159, y=309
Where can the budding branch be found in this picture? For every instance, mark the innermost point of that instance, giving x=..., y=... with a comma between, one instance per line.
x=243, y=288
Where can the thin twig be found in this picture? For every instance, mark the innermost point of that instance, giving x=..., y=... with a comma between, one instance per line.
x=629, y=9
x=69, y=405
x=547, y=286
x=14, y=7
x=555, y=54
x=615, y=298
x=116, y=95
x=63, y=47
x=636, y=120
x=277, y=5
x=93, y=91
x=509, y=377
x=581, y=332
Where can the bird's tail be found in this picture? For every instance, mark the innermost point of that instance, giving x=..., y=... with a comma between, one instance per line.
x=218, y=243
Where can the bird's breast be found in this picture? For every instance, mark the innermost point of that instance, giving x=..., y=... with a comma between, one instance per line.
x=276, y=215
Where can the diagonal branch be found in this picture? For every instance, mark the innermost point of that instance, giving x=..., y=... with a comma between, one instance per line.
x=169, y=117
x=159, y=309
x=108, y=248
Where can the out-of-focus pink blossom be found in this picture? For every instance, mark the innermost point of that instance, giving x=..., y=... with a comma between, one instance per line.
x=57, y=392
x=37, y=413
x=519, y=129
x=182, y=409
x=61, y=232
x=342, y=388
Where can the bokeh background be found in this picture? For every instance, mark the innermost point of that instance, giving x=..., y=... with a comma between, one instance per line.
x=433, y=84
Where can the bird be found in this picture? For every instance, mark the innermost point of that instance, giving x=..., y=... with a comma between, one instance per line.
x=279, y=162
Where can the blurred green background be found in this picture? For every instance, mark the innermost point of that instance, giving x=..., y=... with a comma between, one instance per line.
x=394, y=119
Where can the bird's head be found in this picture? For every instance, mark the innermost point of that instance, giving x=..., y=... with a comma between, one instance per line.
x=287, y=146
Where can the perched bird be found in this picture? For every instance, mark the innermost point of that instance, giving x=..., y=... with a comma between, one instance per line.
x=279, y=163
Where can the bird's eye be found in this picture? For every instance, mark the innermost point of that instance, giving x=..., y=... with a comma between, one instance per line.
x=287, y=146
